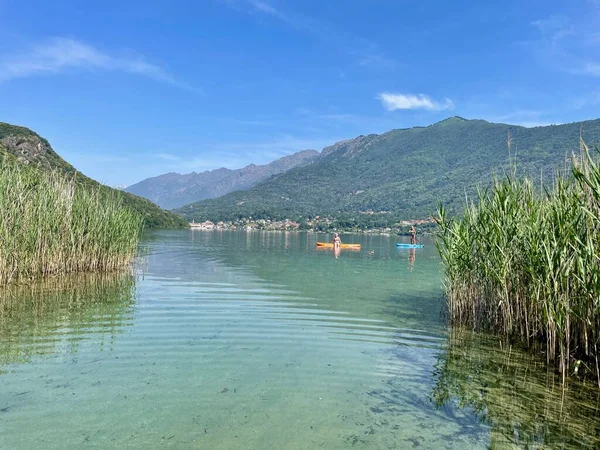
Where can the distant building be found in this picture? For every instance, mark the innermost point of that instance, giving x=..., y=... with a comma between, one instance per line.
x=208, y=225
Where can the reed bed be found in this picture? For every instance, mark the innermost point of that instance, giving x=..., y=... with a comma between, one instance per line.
x=50, y=224
x=524, y=261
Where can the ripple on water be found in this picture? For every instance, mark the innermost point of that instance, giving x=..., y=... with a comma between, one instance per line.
x=237, y=341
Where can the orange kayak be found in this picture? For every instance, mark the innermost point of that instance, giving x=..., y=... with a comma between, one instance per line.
x=330, y=245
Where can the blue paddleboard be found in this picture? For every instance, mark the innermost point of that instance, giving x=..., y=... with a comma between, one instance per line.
x=401, y=245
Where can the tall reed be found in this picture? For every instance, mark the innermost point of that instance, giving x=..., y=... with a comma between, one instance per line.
x=526, y=262
x=50, y=224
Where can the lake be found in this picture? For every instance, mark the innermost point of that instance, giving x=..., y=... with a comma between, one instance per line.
x=256, y=340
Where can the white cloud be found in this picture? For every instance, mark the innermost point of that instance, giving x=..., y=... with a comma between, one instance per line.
x=591, y=68
x=255, y=123
x=168, y=157
x=393, y=102
x=256, y=6
x=232, y=155
x=366, y=53
x=584, y=101
x=267, y=9
x=569, y=44
x=524, y=117
x=376, y=60
x=60, y=54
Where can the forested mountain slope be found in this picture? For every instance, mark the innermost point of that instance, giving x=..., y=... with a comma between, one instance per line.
x=404, y=173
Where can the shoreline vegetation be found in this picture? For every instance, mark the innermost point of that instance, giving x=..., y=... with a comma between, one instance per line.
x=524, y=262
x=22, y=145
x=52, y=225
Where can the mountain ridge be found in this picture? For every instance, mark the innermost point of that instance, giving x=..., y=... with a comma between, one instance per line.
x=172, y=190
x=403, y=172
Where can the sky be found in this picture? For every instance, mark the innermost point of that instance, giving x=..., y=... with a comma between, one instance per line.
x=126, y=90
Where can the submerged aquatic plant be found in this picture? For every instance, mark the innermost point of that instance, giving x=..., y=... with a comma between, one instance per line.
x=50, y=224
x=527, y=263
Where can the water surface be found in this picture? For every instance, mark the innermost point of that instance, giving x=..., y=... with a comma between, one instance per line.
x=239, y=340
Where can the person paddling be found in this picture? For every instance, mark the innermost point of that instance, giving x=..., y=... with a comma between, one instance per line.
x=413, y=235
x=337, y=242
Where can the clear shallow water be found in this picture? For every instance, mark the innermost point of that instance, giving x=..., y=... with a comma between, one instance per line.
x=230, y=340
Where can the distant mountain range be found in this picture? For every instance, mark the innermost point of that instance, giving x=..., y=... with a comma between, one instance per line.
x=405, y=173
x=401, y=174
x=23, y=145
x=173, y=190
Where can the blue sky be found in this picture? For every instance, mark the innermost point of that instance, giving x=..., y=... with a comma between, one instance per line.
x=131, y=89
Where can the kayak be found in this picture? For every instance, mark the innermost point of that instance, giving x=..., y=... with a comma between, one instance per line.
x=401, y=245
x=330, y=245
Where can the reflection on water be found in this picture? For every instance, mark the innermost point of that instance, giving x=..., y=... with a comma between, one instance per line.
x=525, y=405
x=55, y=315
x=235, y=340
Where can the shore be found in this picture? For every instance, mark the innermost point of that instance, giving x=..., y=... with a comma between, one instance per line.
x=325, y=225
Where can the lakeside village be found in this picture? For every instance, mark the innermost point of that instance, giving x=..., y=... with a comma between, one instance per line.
x=316, y=224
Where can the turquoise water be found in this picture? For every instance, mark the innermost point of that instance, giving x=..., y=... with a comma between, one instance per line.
x=256, y=340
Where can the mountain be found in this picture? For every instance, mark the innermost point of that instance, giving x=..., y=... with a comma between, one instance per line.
x=30, y=148
x=173, y=190
x=404, y=173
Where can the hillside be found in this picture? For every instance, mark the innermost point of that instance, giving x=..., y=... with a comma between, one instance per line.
x=405, y=173
x=173, y=190
x=29, y=148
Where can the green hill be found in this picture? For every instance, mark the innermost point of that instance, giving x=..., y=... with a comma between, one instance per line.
x=29, y=148
x=403, y=174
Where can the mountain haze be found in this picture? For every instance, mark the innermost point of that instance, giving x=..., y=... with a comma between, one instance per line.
x=28, y=147
x=404, y=173
x=173, y=190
